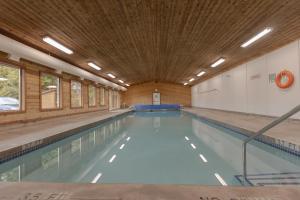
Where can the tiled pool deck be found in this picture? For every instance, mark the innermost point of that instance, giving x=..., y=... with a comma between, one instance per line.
x=47, y=191
x=285, y=135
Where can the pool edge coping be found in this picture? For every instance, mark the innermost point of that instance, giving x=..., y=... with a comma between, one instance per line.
x=274, y=142
x=19, y=150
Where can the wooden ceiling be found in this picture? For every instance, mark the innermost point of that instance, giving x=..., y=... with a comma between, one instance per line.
x=152, y=40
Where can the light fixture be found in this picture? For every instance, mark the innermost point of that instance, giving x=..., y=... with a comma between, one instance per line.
x=121, y=81
x=93, y=65
x=127, y=85
x=111, y=76
x=192, y=79
x=185, y=83
x=3, y=79
x=201, y=73
x=218, y=62
x=256, y=37
x=57, y=45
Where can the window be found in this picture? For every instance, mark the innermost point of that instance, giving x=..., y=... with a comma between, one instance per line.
x=76, y=95
x=110, y=99
x=92, y=95
x=10, y=88
x=102, y=97
x=50, y=92
x=114, y=99
x=117, y=101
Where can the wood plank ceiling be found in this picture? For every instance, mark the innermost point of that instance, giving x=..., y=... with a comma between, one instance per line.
x=152, y=40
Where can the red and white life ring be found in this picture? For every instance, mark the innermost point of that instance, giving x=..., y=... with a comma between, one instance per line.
x=288, y=75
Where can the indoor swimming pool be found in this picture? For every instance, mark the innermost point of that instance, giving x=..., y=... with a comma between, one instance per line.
x=171, y=147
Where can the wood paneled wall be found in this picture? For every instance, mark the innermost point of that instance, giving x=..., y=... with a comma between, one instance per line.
x=169, y=94
x=32, y=110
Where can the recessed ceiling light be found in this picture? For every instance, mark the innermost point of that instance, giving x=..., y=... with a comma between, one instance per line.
x=256, y=37
x=192, y=79
x=111, y=76
x=201, y=73
x=57, y=45
x=185, y=83
x=218, y=62
x=96, y=67
x=121, y=81
x=127, y=85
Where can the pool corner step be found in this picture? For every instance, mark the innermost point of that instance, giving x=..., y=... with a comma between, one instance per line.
x=271, y=179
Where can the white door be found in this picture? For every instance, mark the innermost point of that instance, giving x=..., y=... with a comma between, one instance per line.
x=156, y=98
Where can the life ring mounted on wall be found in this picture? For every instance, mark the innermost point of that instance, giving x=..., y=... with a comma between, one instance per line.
x=284, y=79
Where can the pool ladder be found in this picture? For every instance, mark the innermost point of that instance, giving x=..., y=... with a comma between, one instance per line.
x=261, y=132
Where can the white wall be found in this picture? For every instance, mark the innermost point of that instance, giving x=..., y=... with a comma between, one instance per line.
x=247, y=88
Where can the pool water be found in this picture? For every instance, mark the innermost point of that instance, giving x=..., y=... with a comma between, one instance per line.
x=151, y=148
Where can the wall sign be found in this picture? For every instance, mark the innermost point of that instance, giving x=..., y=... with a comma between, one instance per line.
x=272, y=77
x=256, y=76
x=156, y=98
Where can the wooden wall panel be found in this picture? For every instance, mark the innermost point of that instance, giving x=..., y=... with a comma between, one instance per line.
x=32, y=97
x=170, y=93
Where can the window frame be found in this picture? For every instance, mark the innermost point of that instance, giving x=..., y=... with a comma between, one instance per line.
x=60, y=91
x=88, y=95
x=110, y=99
x=22, y=88
x=76, y=107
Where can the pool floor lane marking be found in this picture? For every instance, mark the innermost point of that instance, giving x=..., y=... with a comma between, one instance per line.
x=220, y=179
x=112, y=158
x=203, y=158
x=95, y=180
x=187, y=138
x=128, y=138
x=194, y=147
x=122, y=146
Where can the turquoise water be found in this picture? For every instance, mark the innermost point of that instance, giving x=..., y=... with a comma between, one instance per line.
x=150, y=148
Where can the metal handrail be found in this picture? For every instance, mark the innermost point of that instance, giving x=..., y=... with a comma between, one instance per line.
x=261, y=132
